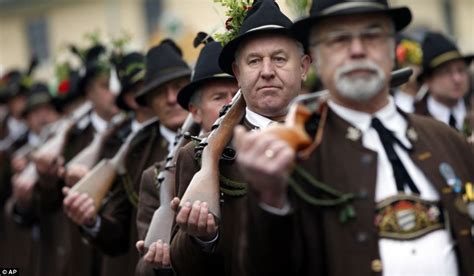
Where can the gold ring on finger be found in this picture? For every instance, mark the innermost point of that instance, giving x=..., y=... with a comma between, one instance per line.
x=269, y=153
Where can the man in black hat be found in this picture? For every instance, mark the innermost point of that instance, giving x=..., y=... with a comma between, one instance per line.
x=377, y=194
x=209, y=90
x=97, y=87
x=445, y=72
x=167, y=73
x=270, y=66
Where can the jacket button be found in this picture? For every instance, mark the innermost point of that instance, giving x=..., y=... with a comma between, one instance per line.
x=366, y=159
x=376, y=265
x=363, y=194
x=362, y=237
x=60, y=251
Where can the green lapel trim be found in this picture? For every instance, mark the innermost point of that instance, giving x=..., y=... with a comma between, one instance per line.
x=128, y=186
x=343, y=200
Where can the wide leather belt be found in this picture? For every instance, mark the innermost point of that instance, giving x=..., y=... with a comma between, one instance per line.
x=406, y=217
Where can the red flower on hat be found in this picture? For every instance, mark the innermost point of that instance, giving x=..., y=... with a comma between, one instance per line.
x=409, y=52
x=63, y=87
x=401, y=53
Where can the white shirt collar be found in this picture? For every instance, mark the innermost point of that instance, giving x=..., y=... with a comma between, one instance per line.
x=34, y=139
x=404, y=101
x=99, y=124
x=16, y=128
x=136, y=126
x=388, y=115
x=441, y=112
x=169, y=135
x=257, y=119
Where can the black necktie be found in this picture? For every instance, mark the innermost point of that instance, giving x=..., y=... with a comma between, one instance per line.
x=387, y=138
x=452, y=120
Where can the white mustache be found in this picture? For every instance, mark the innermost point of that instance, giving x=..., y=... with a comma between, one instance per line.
x=358, y=65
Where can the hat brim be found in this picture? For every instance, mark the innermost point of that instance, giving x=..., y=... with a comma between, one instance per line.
x=401, y=17
x=428, y=71
x=185, y=94
x=141, y=96
x=119, y=101
x=227, y=56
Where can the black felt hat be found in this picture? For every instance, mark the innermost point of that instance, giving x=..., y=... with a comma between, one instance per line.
x=96, y=61
x=10, y=85
x=207, y=68
x=17, y=82
x=437, y=50
x=130, y=71
x=68, y=89
x=320, y=9
x=264, y=16
x=39, y=95
x=3, y=90
x=163, y=63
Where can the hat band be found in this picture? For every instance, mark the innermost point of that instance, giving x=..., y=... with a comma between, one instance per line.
x=217, y=75
x=444, y=57
x=40, y=99
x=270, y=26
x=131, y=67
x=221, y=75
x=138, y=76
x=344, y=6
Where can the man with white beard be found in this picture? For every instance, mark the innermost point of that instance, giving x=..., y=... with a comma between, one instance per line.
x=382, y=192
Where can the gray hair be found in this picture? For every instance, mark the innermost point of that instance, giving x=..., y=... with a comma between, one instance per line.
x=196, y=97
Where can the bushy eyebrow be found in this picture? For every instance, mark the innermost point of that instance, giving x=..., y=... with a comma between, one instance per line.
x=273, y=53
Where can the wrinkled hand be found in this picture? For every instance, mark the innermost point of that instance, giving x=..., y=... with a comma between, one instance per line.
x=266, y=162
x=195, y=219
x=158, y=255
x=22, y=190
x=19, y=164
x=74, y=173
x=79, y=207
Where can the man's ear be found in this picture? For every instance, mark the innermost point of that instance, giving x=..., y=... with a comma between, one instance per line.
x=196, y=113
x=305, y=64
x=129, y=99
